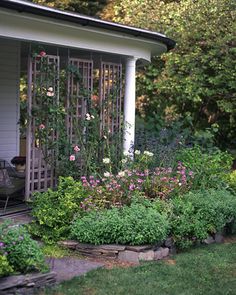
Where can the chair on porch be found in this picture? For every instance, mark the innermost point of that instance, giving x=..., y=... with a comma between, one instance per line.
x=10, y=183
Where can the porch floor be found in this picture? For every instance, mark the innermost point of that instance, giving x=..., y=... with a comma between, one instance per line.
x=19, y=213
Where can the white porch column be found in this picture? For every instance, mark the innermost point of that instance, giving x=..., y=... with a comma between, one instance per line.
x=129, y=106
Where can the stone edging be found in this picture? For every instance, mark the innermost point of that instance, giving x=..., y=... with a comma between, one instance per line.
x=125, y=253
x=26, y=284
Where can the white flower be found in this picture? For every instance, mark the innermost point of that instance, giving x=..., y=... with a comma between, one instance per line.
x=87, y=117
x=137, y=152
x=147, y=153
x=104, y=136
x=126, y=154
x=123, y=161
x=92, y=117
x=107, y=174
x=106, y=160
x=121, y=173
x=50, y=92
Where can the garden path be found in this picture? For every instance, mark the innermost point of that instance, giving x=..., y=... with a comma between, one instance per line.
x=67, y=268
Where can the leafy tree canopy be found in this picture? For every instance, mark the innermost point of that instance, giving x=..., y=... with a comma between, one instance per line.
x=196, y=81
x=80, y=6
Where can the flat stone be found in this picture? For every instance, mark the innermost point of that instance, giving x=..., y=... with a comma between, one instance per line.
x=68, y=244
x=209, y=240
x=165, y=252
x=146, y=256
x=139, y=248
x=161, y=253
x=68, y=267
x=112, y=247
x=219, y=238
x=130, y=256
x=18, y=283
x=85, y=246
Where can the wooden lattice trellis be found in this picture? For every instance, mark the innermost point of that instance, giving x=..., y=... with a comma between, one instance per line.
x=79, y=91
x=111, y=101
x=43, y=84
x=43, y=77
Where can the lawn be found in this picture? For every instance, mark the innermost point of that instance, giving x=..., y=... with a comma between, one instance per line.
x=208, y=270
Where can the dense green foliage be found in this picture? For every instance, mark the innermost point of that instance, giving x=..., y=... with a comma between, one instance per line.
x=194, y=83
x=135, y=225
x=231, y=180
x=189, y=218
x=209, y=167
x=196, y=215
x=80, y=6
x=206, y=270
x=22, y=253
x=54, y=210
x=5, y=268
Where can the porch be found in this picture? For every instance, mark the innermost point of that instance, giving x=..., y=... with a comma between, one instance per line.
x=63, y=67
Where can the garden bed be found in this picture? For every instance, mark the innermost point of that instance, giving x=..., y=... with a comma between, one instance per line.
x=26, y=284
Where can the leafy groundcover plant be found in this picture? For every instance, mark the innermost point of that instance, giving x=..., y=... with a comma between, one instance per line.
x=54, y=210
x=134, y=225
x=209, y=167
x=18, y=252
x=197, y=214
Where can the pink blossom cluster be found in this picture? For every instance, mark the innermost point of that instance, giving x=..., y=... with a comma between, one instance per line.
x=117, y=190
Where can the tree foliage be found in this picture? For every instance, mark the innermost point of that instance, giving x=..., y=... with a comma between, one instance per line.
x=196, y=81
x=91, y=7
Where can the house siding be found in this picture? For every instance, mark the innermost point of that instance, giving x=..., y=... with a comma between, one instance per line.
x=9, y=98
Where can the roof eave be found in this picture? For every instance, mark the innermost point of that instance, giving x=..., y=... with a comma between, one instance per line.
x=85, y=21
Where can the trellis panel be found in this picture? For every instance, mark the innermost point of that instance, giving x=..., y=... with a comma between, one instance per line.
x=111, y=106
x=41, y=159
x=110, y=96
x=79, y=92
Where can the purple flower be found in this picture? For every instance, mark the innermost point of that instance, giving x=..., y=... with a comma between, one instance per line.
x=1, y=244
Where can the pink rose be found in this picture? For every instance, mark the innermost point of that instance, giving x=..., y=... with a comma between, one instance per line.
x=42, y=54
x=76, y=149
x=41, y=126
x=72, y=157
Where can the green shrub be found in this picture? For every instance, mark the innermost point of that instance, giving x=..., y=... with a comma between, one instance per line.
x=5, y=268
x=134, y=225
x=196, y=215
x=231, y=180
x=23, y=254
x=54, y=210
x=210, y=168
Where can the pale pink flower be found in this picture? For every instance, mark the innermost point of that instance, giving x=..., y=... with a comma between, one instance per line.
x=72, y=157
x=76, y=149
x=41, y=126
x=42, y=54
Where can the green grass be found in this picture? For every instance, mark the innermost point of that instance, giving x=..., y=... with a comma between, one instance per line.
x=209, y=270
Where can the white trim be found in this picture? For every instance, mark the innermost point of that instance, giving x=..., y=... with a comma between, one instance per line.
x=41, y=29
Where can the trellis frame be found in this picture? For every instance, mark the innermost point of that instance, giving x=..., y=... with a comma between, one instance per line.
x=40, y=175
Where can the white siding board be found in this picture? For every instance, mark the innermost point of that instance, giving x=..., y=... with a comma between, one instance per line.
x=9, y=98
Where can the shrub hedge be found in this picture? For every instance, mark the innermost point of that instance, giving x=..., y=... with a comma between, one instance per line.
x=134, y=225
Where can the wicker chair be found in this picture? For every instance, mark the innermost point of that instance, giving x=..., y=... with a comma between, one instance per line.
x=11, y=183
